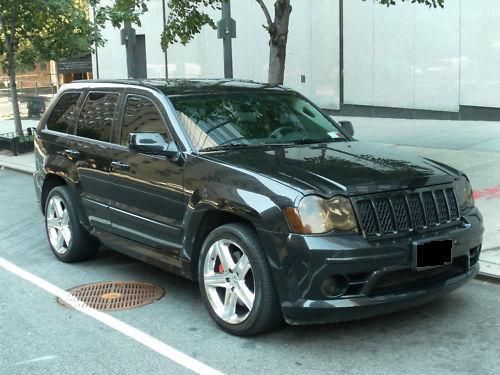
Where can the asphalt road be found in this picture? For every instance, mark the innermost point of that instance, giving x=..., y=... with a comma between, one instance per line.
x=458, y=334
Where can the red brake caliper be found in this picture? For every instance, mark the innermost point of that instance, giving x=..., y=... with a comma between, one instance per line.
x=221, y=268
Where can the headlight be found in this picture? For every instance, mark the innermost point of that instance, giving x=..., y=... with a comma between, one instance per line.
x=317, y=215
x=465, y=194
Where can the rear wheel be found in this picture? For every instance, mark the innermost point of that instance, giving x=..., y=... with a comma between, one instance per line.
x=68, y=240
x=236, y=282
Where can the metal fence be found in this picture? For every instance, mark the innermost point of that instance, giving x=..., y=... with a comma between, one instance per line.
x=31, y=103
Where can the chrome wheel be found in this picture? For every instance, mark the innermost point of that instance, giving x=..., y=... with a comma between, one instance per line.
x=228, y=281
x=58, y=228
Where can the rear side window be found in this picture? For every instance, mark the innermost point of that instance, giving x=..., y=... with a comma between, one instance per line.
x=141, y=115
x=62, y=118
x=96, y=116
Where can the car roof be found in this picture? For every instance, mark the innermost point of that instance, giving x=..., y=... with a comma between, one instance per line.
x=190, y=86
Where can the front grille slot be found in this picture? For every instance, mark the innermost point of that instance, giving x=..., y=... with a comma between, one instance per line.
x=417, y=211
x=444, y=213
x=452, y=203
x=367, y=217
x=402, y=212
x=430, y=208
x=384, y=212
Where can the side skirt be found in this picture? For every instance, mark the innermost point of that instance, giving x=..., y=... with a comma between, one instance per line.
x=146, y=254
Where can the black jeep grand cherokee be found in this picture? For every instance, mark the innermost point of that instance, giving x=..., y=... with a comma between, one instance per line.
x=250, y=189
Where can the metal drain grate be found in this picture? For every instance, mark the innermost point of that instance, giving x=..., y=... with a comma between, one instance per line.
x=112, y=296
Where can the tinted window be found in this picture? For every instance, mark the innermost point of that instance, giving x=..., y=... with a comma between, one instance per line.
x=96, y=116
x=62, y=118
x=254, y=118
x=141, y=115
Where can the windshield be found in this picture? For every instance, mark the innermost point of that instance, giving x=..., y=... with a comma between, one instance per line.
x=248, y=119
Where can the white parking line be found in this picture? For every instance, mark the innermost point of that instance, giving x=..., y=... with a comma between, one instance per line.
x=132, y=332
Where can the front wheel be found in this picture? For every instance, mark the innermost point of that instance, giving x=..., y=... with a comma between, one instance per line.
x=236, y=283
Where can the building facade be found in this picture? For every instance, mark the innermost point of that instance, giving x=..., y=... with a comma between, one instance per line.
x=351, y=56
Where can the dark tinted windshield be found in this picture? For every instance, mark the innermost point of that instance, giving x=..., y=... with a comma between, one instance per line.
x=239, y=119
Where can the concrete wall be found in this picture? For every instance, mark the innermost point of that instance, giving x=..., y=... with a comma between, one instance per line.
x=406, y=56
x=414, y=57
x=480, y=53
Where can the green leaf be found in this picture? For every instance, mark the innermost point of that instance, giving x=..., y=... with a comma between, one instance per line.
x=41, y=30
x=186, y=19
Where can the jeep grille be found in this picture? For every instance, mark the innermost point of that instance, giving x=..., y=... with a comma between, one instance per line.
x=401, y=212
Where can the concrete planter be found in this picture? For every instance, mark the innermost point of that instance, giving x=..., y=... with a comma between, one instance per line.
x=18, y=144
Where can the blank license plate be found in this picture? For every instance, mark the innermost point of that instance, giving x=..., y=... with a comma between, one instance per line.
x=432, y=254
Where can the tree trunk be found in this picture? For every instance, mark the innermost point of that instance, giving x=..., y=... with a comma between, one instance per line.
x=278, y=32
x=10, y=49
x=13, y=89
x=277, y=56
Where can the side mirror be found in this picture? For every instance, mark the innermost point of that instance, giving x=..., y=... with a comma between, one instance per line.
x=347, y=127
x=153, y=144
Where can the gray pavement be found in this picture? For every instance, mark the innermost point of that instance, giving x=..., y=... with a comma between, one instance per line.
x=457, y=334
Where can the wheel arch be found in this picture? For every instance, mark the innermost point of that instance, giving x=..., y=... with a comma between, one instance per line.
x=220, y=204
x=200, y=227
x=52, y=180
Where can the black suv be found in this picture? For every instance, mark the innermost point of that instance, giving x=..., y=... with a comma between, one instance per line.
x=253, y=191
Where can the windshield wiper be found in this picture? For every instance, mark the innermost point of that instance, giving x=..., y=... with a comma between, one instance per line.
x=303, y=141
x=243, y=145
x=310, y=141
x=225, y=147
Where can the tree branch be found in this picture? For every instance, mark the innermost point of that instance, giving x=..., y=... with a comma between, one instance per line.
x=266, y=13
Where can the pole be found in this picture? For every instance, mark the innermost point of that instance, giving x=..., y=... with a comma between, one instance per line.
x=129, y=45
x=96, y=51
x=227, y=35
x=164, y=23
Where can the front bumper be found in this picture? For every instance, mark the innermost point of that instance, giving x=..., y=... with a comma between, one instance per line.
x=379, y=272
x=342, y=309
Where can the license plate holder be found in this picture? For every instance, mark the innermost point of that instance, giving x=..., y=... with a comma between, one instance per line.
x=432, y=254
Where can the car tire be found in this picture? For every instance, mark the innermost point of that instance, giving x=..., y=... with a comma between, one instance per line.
x=68, y=240
x=236, y=282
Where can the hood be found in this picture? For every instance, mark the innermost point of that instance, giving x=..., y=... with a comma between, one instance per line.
x=346, y=167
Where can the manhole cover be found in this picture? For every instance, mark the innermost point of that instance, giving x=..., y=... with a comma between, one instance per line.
x=110, y=296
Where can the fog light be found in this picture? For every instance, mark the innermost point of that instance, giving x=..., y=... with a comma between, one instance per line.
x=335, y=286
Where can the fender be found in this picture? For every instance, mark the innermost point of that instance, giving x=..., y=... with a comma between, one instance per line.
x=256, y=209
x=60, y=166
x=237, y=204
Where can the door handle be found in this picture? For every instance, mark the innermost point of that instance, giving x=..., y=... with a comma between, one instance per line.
x=118, y=165
x=71, y=154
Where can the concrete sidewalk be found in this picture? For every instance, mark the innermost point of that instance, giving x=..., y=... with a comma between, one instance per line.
x=471, y=146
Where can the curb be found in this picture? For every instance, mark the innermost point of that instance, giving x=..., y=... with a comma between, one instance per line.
x=488, y=277
x=18, y=168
